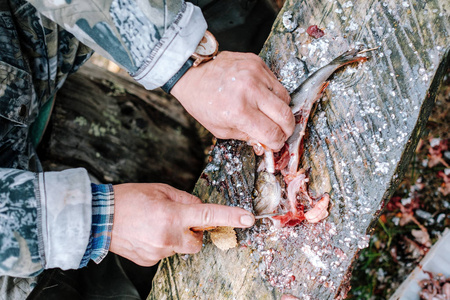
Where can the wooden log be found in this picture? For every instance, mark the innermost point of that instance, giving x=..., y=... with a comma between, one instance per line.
x=359, y=142
x=120, y=132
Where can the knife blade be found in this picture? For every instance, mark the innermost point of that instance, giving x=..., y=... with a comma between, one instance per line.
x=269, y=215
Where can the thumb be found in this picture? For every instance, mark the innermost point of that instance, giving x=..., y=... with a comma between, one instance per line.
x=211, y=215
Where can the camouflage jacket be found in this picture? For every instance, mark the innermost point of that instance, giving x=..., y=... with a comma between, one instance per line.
x=45, y=217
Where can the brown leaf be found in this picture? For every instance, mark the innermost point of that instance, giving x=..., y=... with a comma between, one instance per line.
x=445, y=186
x=414, y=249
x=422, y=237
x=224, y=237
x=406, y=218
x=408, y=211
x=437, y=147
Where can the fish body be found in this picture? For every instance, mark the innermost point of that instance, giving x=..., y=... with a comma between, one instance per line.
x=296, y=194
x=304, y=97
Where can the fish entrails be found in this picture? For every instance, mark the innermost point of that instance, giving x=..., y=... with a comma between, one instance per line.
x=286, y=161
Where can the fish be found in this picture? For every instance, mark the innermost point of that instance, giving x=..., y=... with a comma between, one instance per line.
x=286, y=161
x=269, y=193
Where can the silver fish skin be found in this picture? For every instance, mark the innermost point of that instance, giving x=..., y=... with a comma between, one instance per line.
x=304, y=97
x=295, y=180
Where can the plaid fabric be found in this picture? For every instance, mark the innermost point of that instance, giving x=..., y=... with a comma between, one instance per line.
x=102, y=221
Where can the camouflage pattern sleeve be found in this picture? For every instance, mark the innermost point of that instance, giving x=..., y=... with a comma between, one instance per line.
x=19, y=246
x=36, y=57
x=46, y=233
x=45, y=218
x=151, y=39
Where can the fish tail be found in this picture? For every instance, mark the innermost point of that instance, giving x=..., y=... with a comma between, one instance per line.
x=348, y=57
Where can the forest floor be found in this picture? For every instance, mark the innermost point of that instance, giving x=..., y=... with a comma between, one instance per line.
x=416, y=215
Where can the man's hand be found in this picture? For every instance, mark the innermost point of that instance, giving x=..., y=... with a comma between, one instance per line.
x=236, y=96
x=153, y=221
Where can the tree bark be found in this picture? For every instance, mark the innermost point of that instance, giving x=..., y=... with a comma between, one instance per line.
x=359, y=143
x=120, y=132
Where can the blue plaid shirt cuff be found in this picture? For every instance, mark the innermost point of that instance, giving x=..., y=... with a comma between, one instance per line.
x=102, y=221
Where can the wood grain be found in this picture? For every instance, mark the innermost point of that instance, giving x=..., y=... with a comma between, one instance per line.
x=359, y=142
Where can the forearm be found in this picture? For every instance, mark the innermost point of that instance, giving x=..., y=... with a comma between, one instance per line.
x=151, y=40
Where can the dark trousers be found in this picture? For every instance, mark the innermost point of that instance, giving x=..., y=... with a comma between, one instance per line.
x=114, y=278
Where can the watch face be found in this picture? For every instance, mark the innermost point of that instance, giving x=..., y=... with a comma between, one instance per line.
x=207, y=46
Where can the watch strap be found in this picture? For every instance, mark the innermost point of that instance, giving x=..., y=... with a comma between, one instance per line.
x=167, y=87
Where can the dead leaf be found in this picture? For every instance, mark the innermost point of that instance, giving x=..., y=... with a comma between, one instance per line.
x=414, y=249
x=437, y=147
x=422, y=237
x=224, y=237
x=445, y=186
x=407, y=212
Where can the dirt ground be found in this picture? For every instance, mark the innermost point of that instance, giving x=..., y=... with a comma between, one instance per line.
x=416, y=215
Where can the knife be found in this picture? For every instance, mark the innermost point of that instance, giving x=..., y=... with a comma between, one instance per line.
x=269, y=215
x=197, y=229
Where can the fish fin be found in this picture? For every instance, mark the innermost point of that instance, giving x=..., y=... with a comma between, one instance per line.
x=319, y=95
x=356, y=59
x=324, y=87
x=349, y=57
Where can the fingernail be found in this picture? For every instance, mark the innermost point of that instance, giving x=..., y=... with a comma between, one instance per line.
x=247, y=220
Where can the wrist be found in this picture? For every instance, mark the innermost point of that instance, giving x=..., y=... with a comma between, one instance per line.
x=167, y=87
x=205, y=51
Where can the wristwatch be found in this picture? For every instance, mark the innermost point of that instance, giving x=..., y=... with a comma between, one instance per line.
x=206, y=50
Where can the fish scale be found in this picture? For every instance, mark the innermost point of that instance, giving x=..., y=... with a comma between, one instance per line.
x=302, y=101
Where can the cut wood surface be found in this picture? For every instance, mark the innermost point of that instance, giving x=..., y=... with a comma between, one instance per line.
x=360, y=140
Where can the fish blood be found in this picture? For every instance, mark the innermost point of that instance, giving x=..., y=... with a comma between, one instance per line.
x=293, y=180
x=315, y=31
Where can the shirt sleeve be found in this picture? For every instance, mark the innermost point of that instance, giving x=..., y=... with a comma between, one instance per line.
x=151, y=39
x=102, y=221
x=19, y=242
x=45, y=220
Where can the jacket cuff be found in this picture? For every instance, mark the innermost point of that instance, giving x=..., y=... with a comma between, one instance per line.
x=66, y=213
x=102, y=221
x=174, y=49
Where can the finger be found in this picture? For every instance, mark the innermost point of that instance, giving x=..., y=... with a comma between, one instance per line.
x=242, y=136
x=257, y=147
x=205, y=215
x=264, y=130
x=235, y=133
x=275, y=86
x=191, y=242
x=279, y=90
x=268, y=70
x=278, y=111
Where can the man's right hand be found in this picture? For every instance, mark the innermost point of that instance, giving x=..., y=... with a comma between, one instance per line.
x=152, y=221
x=236, y=96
